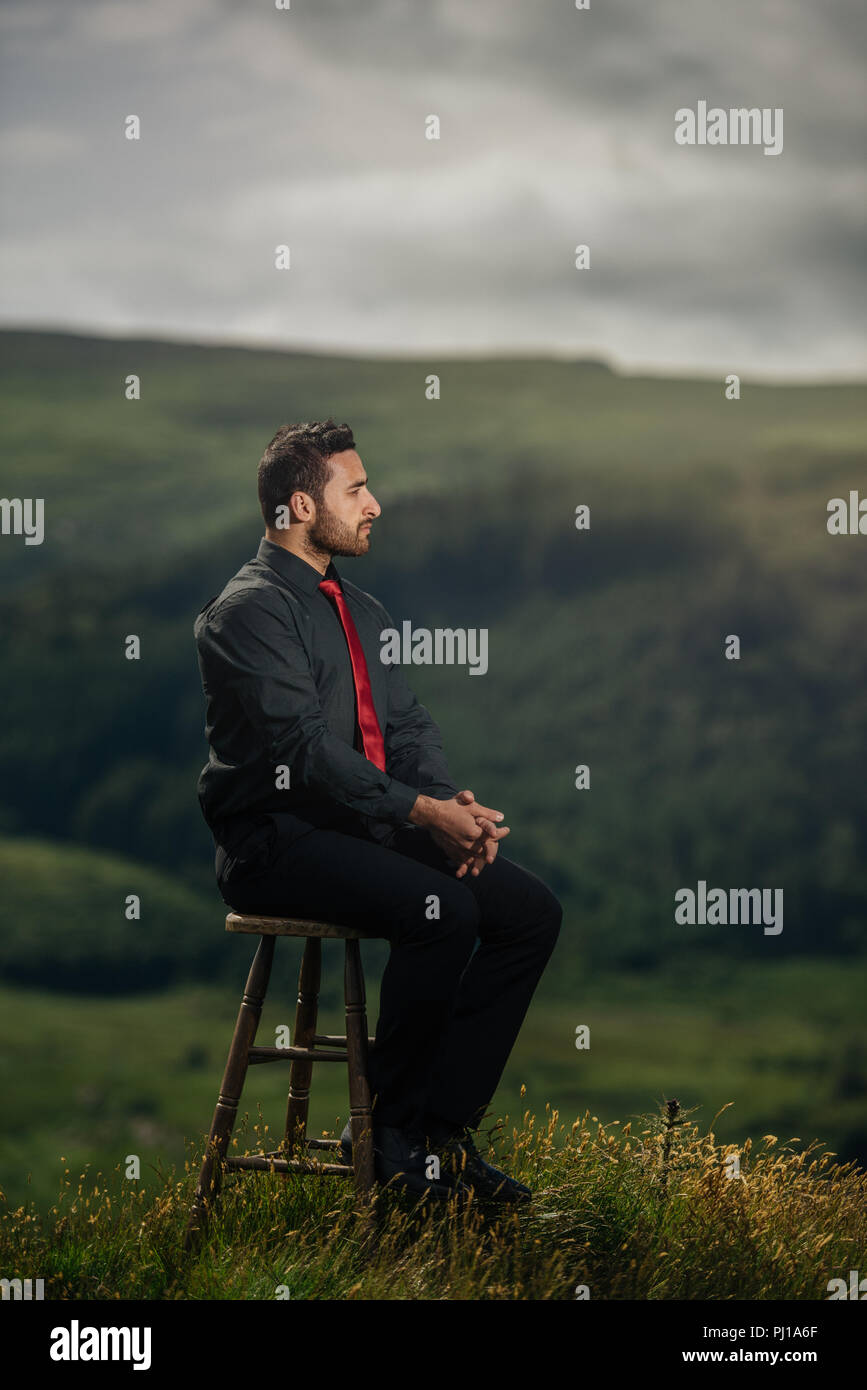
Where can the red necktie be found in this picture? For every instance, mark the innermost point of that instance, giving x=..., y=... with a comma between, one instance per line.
x=372, y=741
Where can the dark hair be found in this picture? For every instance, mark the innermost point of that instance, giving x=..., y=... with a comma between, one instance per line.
x=296, y=460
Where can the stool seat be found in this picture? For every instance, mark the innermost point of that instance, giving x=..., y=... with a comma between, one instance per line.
x=292, y=926
x=297, y=1154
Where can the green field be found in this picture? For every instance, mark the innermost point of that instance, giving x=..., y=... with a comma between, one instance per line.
x=91, y=1081
x=605, y=648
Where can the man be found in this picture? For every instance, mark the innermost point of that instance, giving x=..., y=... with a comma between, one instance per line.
x=329, y=796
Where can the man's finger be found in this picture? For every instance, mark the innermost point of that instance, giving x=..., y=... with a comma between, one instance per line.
x=489, y=828
x=484, y=850
x=479, y=856
x=466, y=798
x=468, y=860
x=493, y=832
x=474, y=855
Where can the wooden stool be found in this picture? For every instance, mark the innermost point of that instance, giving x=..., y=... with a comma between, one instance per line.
x=309, y=1047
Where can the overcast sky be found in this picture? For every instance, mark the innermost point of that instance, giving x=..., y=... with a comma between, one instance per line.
x=307, y=127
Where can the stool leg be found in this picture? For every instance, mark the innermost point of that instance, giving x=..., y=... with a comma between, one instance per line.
x=301, y=1072
x=226, y=1110
x=359, y=1087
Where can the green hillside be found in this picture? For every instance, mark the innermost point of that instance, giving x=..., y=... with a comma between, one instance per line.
x=606, y=648
x=70, y=923
x=708, y=517
x=127, y=482
x=92, y=1080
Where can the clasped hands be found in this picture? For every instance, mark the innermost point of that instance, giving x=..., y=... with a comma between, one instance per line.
x=466, y=831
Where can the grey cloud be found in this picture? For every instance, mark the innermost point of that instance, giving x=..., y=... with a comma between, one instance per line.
x=557, y=128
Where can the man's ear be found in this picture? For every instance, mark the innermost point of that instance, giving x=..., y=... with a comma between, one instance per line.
x=299, y=508
x=302, y=507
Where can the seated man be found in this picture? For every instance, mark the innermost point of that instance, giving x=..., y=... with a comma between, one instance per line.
x=329, y=797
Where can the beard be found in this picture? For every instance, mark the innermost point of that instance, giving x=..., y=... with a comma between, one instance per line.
x=330, y=536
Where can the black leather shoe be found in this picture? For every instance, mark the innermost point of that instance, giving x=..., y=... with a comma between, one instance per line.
x=400, y=1161
x=345, y=1149
x=462, y=1163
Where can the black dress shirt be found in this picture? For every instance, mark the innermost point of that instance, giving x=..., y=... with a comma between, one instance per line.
x=278, y=683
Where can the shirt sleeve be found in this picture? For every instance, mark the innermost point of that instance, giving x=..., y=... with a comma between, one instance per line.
x=413, y=742
x=266, y=665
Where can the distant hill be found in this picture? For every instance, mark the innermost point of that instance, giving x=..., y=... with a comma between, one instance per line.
x=606, y=646
x=65, y=926
x=127, y=482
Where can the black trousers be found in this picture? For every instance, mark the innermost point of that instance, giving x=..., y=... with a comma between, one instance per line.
x=466, y=955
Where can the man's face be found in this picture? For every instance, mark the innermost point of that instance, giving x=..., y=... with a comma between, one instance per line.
x=342, y=525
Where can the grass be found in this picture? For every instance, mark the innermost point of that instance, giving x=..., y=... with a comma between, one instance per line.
x=102, y=1078
x=652, y=1212
x=708, y=517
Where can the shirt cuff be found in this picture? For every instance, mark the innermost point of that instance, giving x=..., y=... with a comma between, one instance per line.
x=440, y=791
x=402, y=798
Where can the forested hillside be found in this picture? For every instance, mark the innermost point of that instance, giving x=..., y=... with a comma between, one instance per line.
x=606, y=646
x=606, y=649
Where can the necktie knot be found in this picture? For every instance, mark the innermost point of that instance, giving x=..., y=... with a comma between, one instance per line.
x=330, y=587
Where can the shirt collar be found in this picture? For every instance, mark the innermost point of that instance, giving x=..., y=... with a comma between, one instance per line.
x=291, y=567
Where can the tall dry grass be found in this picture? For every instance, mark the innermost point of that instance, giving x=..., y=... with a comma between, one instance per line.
x=659, y=1211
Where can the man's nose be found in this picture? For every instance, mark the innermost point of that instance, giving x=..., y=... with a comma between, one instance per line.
x=373, y=508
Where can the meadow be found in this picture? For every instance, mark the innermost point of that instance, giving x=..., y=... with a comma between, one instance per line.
x=606, y=649
x=652, y=1210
